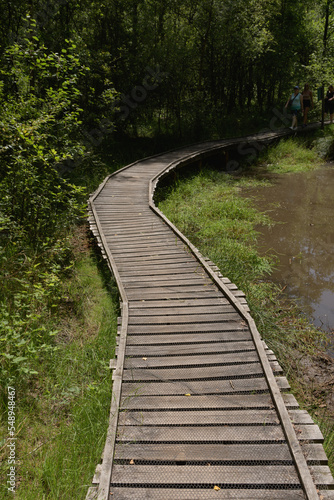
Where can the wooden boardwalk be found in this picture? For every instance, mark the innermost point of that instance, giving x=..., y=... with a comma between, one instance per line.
x=200, y=409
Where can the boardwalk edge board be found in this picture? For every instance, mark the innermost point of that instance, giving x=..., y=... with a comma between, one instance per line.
x=100, y=489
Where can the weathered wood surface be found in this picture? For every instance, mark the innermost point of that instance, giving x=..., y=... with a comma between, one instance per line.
x=198, y=408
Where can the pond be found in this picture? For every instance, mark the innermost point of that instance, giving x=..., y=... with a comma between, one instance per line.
x=302, y=205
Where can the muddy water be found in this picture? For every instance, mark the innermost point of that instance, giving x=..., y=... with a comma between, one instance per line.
x=303, y=239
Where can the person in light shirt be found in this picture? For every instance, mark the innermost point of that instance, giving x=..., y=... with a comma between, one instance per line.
x=295, y=103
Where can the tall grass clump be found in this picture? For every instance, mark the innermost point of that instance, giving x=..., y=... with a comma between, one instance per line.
x=290, y=155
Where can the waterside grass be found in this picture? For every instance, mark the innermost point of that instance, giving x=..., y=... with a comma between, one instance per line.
x=289, y=156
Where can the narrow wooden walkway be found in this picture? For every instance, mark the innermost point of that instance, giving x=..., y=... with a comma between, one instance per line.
x=199, y=408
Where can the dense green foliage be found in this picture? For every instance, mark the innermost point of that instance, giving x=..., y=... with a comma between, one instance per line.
x=37, y=204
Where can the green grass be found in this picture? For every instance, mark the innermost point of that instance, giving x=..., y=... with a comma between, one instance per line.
x=208, y=209
x=62, y=415
x=290, y=156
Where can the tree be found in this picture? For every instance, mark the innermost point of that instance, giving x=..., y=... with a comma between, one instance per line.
x=40, y=118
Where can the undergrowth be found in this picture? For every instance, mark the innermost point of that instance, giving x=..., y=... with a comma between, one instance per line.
x=62, y=412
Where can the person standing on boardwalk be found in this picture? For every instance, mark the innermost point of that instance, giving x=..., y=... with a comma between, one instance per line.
x=295, y=103
x=307, y=102
x=329, y=103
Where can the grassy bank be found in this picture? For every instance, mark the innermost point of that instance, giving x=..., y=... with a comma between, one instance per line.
x=62, y=413
x=209, y=209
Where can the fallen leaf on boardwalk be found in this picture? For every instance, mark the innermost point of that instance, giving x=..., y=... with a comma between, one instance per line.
x=216, y=488
x=144, y=359
x=132, y=462
x=187, y=394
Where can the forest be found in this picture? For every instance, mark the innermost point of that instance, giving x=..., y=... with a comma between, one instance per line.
x=87, y=86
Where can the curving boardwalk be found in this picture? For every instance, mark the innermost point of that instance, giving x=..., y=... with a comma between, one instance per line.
x=199, y=407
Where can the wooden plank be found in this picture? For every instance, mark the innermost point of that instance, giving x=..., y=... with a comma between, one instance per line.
x=210, y=417
x=158, y=265
x=203, y=360
x=191, y=302
x=126, y=493
x=164, y=274
x=132, y=229
x=140, y=243
x=149, y=253
x=186, y=338
x=172, y=281
x=138, y=262
x=213, y=434
x=121, y=239
x=190, y=373
x=173, y=290
x=201, y=387
x=322, y=476
x=165, y=268
x=213, y=401
x=170, y=350
x=283, y=383
x=166, y=293
x=187, y=328
x=310, y=433
x=179, y=254
x=216, y=452
x=112, y=224
x=195, y=387
x=180, y=309
x=326, y=494
x=300, y=417
x=132, y=233
x=205, y=475
x=206, y=317
x=213, y=452
x=118, y=214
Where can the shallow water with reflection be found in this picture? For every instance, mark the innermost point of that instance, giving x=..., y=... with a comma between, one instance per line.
x=302, y=205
